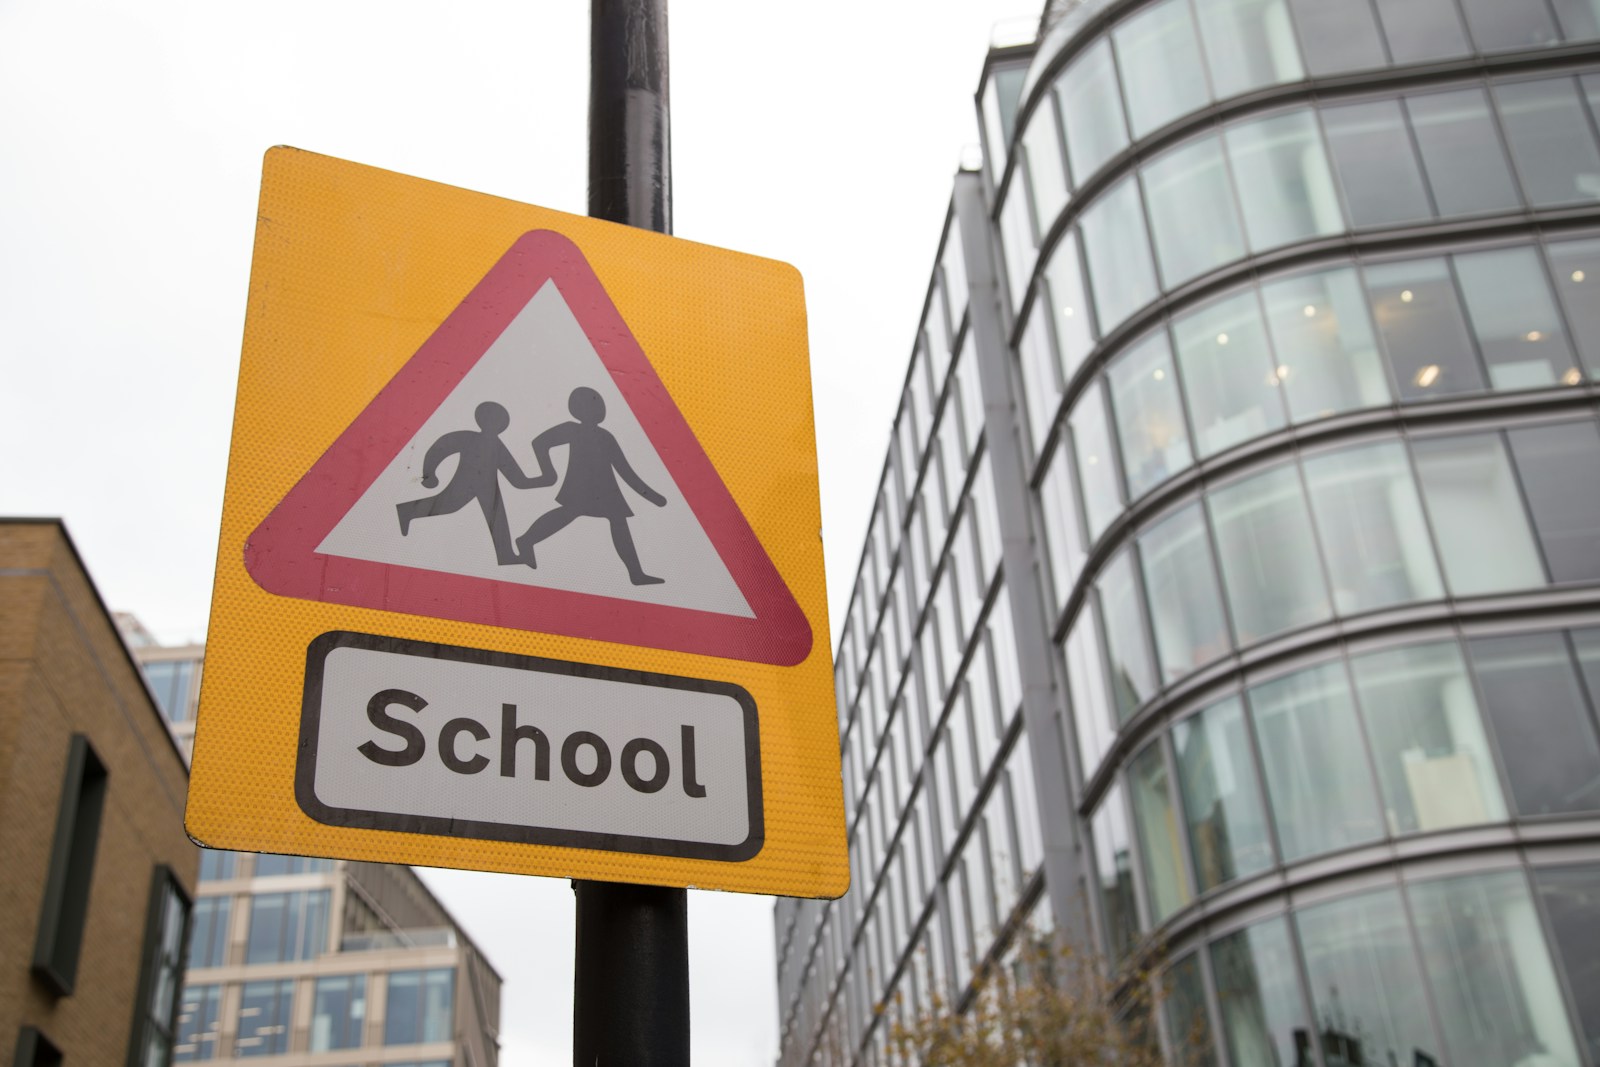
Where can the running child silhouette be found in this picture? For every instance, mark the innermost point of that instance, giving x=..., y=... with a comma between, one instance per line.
x=594, y=460
x=477, y=477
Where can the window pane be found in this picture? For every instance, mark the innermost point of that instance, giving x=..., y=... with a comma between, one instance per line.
x=1328, y=359
x=1228, y=373
x=1188, y=1026
x=438, y=1004
x=1118, y=252
x=1046, y=172
x=1519, y=332
x=1588, y=645
x=1227, y=827
x=1091, y=110
x=1499, y=25
x=1422, y=29
x=1365, y=984
x=1249, y=43
x=208, y=937
x=264, y=1018
x=1091, y=715
x=216, y=864
x=1285, y=186
x=1478, y=515
x=1466, y=166
x=339, y=1012
x=311, y=937
x=1580, y=19
x=1063, y=539
x=1097, y=468
x=1551, y=140
x=1338, y=36
x=1577, y=269
x=1149, y=415
x=1000, y=99
x=1067, y=304
x=267, y=918
x=420, y=1007
x=1132, y=675
x=1498, y=996
x=1318, y=785
x=1374, y=538
x=1185, y=607
x=1422, y=327
x=1376, y=166
x=1017, y=239
x=1270, y=567
x=198, y=1026
x=1422, y=720
x=1258, y=994
x=1560, y=468
x=1041, y=380
x=1157, y=828
x=1541, y=722
x=1115, y=862
x=1571, y=897
x=1160, y=60
x=1191, y=210
x=403, y=1009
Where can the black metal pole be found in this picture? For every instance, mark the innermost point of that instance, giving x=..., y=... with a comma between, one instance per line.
x=630, y=1005
x=630, y=149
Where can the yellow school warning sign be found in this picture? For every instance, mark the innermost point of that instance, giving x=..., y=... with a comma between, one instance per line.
x=521, y=566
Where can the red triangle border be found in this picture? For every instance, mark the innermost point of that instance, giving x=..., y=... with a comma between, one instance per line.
x=281, y=555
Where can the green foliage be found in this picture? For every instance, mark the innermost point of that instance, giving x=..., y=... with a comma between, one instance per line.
x=1049, y=1007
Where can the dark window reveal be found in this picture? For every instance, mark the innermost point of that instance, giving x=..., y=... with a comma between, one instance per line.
x=66, y=891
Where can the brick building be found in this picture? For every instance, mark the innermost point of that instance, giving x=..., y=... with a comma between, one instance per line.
x=98, y=873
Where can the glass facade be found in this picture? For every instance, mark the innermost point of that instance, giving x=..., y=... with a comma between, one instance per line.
x=1301, y=507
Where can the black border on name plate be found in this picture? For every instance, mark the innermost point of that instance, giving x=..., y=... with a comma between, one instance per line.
x=310, y=719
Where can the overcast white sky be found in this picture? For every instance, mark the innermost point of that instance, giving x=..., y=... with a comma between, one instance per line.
x=824, y=134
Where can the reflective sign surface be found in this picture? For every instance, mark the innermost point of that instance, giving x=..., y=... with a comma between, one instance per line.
x=520, y=566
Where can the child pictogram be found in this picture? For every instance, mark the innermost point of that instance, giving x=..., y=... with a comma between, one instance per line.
x=484, y=458
x=589, y=488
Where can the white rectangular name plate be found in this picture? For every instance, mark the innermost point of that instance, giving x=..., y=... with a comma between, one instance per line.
x=432, y=739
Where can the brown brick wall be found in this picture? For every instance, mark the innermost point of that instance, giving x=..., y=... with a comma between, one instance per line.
x=64, y=670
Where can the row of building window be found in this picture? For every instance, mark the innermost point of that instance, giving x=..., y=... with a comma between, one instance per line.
x=908, y=535
x=218, y=865
x=283, y=927
x=934, y=524
x=1370, y=746
x=1295, y=349
x=1494, y=968
x=1169, y=59
x=1265, y=181
x=1333, y=533
x=915, y=811
x=891, y=952
x=910, y=815
x=419, y=1009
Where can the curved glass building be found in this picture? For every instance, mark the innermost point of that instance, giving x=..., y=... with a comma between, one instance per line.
x=1232, y=603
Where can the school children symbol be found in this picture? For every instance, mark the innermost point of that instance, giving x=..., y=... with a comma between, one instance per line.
x=594, y=463
x=528, y=468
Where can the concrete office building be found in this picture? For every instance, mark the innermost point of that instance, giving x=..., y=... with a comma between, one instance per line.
x=98, y=875
x=318, y=963
x=1232, y=599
